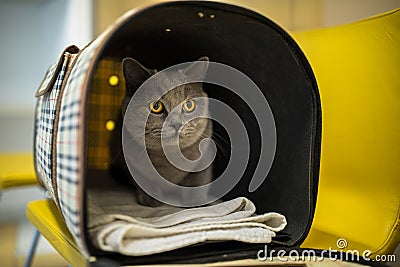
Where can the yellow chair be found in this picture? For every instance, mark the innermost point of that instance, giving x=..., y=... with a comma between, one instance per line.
x=356, y=67
x=45, y=216
x=357, y=70
x=16, y=170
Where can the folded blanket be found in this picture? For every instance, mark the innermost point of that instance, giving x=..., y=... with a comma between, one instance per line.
x=117, y=223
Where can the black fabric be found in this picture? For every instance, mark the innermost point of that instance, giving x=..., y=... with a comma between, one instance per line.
x=259, y=48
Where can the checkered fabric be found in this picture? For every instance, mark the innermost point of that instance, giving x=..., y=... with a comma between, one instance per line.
x=44, y=124
x=41, y=161
x=70, y=149
x=106, y=94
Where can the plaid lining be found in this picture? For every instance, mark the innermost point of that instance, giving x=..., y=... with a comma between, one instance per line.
x=104, y=105
x=68, y=150
x=45, y=115
x=38, y=160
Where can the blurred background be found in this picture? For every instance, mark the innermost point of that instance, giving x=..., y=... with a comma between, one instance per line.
x=33, y=33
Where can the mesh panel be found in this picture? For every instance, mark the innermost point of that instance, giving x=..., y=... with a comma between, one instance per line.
x=106, y=94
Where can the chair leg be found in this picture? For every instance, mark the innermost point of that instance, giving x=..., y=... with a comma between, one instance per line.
x=33, y=249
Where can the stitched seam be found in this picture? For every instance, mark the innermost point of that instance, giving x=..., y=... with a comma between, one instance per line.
x=391, y=238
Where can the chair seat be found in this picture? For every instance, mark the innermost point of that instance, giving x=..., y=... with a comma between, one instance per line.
x=16, y=169
x=45, y=216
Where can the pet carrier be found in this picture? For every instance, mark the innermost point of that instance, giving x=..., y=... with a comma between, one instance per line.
x=81, y=95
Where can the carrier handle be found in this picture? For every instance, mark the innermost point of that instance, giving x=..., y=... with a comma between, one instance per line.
x=51, y=75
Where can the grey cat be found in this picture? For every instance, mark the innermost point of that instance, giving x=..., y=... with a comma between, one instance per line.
x=155, y=111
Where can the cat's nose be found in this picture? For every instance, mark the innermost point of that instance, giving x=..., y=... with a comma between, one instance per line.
x=176, y=126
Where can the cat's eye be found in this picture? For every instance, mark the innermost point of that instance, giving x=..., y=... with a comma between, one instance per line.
x=189, y=105
x=156, y=107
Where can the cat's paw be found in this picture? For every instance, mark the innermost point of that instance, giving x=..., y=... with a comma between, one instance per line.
x=146, y=200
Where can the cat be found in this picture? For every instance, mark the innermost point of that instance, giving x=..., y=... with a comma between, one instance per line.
x=190, y=132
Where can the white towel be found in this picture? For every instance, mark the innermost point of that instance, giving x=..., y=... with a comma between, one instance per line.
x=117, y=223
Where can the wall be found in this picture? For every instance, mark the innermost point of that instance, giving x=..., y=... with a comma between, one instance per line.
x=33, y=34
x=335, y=12
x=293, y=15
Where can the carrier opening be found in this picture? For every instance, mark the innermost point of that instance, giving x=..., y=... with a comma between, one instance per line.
x=173, y=33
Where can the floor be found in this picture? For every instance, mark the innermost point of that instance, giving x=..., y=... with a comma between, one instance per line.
x=16, y=233
x=16, y=239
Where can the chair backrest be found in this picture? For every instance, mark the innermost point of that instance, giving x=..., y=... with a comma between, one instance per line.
x=357, y=70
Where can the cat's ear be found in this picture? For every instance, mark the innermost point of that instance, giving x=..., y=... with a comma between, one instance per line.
x=135, y=73
x=197, y=71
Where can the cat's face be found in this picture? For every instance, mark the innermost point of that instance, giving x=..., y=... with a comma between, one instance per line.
x=180, y=105
x=181, y=112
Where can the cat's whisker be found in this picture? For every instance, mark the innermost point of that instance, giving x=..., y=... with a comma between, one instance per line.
x=121, y=150
x=217, y=143
x=215, y=134
x=150, y=141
